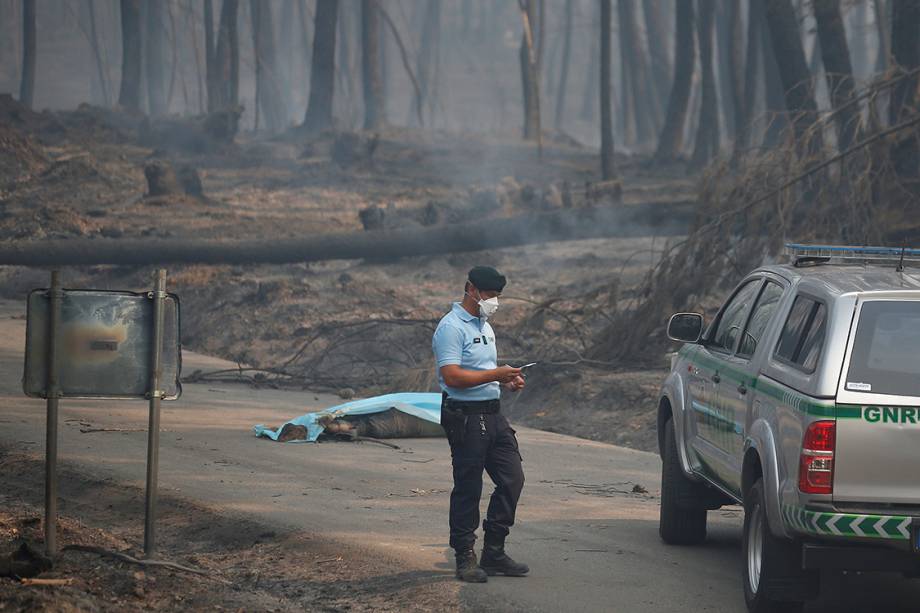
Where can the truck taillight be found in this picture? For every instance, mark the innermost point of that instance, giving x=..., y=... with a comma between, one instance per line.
x=816, y=466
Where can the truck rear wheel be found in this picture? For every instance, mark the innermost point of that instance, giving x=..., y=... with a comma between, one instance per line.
x=773, y=577
x=683, y=517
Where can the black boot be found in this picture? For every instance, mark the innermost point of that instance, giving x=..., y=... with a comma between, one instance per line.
x=496, y=562
x=468, y=569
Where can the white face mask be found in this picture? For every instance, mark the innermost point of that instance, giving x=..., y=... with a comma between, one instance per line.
x=488, y=307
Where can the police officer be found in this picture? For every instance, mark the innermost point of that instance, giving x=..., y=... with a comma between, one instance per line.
x=478, y=434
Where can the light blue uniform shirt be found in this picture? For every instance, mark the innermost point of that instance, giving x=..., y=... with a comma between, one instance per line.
x=469, y=342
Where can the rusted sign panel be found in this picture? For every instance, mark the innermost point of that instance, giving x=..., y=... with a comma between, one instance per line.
x=104, y=345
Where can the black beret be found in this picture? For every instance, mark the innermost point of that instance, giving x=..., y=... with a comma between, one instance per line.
x=487, y=279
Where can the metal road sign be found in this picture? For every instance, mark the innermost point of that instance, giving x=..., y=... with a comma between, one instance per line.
x=102, y=344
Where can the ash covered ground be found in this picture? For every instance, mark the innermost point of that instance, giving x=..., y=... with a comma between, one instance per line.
x=358, y=327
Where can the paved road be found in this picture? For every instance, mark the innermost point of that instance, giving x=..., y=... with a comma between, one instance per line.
x=592, y=544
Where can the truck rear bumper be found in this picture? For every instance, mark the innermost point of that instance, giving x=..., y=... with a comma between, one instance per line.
x=820, y=556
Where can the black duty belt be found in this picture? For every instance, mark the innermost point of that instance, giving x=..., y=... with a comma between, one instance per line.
x=473, y=407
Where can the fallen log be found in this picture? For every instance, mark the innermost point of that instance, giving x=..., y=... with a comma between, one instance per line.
x=652, y=219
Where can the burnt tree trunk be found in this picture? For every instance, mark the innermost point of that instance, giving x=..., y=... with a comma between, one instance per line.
x=227, y=57
x=348, y=65
x=736, y=76
x=288, y=52
x=268, y=88
x=670, y=143
x=322, y=71
x=657, y=39
x=636, y=71
x=155, y=58
x=880, y=10
x=29, y=50
x=210, y=58
x=97, y=54
x=530, y=77
x=729, y=54
x=774, y=100
x=752, y=72
x=905, y=53
x=798, y=92
x=562, y=86
x=431, y=34
x=372, y=79
x=129, y=94
x=839, y=73
x=652, y=219
x=706, y=146
x=608, y=171
x=589, y=99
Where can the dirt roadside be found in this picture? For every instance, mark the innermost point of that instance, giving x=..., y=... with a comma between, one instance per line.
x=250, y=566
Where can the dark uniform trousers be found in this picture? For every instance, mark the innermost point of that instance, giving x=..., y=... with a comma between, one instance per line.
x=481, y=438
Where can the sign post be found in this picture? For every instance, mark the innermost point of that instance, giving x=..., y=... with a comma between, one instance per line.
x=55, y=294
x=153, y=429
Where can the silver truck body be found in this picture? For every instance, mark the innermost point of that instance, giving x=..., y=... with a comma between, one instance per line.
x=738, y=417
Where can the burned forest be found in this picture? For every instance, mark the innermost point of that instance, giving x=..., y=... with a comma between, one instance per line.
x=319, y=175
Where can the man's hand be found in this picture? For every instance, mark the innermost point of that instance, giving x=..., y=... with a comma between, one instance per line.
x=516, y=384
x=506, y=374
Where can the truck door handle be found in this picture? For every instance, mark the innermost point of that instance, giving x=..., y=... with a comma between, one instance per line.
x=716, y=378
x=742, y=389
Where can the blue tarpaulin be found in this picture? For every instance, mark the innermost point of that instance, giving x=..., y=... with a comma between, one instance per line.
x=422, y=405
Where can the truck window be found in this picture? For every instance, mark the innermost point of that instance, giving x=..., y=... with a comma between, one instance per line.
x=760, y=317
x=803, y=334
x=732, y=319
x=884, y=355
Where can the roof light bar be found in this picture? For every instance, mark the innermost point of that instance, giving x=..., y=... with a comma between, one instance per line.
x=838, y=252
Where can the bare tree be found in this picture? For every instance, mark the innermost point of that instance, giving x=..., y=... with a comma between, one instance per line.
x=372, y=79
x=752, y=74
x=671, y=140
x=657, y=39
x=793, y=69
x=905, y=53
x=774, y=97
x=93, y=38
x=427, y=54
x=880, y=10
x=322, y=72
x=839, y=73
x=212, y=82
x=288, y=53
x=29, y=51
x=735, y=69
x=608, y=170
x=589, y=98
x=562, y=86
x=155, y=58
x=227, y=57
x=129, y=95
x=637, y=96
x=269, y=101
x=706, y=146
x=728, y=60
x=530, y=73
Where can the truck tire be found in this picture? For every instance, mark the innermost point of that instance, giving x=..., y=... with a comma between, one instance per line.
x=683, y=517
x=774, y=580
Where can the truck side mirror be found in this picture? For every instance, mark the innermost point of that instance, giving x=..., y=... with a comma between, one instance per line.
x=685, y=327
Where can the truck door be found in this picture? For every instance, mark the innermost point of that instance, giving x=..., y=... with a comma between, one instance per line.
x=736, y=389
x=715, y=424
x=878, y=405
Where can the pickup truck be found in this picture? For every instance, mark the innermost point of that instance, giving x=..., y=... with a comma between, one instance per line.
x=801, y=402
